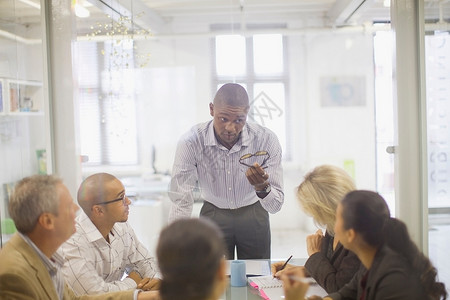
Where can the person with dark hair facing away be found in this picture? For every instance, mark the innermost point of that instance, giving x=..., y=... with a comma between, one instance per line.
x=191, y=256
x=393, y=266
x=329, y=263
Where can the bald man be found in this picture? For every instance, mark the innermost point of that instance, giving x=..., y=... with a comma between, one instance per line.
x=104, y=254
x=237, y=168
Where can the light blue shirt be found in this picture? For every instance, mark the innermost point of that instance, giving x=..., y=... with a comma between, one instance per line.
x=53, y=265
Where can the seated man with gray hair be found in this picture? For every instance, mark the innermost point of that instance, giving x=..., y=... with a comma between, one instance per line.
x=44, y=214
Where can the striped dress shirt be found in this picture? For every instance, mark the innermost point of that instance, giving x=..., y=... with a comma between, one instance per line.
x=202, y=162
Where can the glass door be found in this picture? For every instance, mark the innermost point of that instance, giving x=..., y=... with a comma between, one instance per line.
x=437, y=66
x=23, y=122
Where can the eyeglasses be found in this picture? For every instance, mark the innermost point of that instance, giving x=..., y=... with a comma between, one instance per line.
x=259, y=153
x=122, y=198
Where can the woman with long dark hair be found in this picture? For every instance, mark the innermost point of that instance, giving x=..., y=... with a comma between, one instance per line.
x=393, y=266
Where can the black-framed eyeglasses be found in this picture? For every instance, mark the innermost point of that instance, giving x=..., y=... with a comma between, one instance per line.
x=259, y=153
x=122, y=198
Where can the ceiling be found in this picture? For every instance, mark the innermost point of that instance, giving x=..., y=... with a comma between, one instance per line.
x=169, y=16
x=164, y=17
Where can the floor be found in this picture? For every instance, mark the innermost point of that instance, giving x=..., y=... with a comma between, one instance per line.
x=292, y=242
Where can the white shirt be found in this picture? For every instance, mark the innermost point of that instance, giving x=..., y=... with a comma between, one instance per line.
x=93, y=266
x=221, y=178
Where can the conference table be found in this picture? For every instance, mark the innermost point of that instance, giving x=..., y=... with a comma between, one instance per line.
x=261, y=268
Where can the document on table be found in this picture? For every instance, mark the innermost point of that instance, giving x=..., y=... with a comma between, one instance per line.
x=272, y=289
x=262, y=282
x=254, y=267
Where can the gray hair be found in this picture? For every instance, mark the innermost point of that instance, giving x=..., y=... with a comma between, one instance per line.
x=32, y=197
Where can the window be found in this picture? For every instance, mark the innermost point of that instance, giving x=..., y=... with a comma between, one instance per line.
x=257, y=62
x=107, y=105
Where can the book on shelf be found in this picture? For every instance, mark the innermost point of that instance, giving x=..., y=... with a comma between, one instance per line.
x=13, y=99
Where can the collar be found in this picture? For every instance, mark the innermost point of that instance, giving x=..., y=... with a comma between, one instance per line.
x=54, y=264
x=243, y=141
x=90, y=230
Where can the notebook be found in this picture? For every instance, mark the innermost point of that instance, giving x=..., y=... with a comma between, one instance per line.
x=272, y=289
x=262, y=282
x=269, y=288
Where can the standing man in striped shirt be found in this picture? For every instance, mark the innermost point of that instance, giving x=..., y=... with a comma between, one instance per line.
x=237, y=168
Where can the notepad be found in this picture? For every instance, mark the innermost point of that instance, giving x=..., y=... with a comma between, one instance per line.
x=269, y=288
x=272, y=289
x=262, y=282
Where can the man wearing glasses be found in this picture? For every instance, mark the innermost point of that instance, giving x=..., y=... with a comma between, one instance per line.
x=105, y=248
x=236, y=166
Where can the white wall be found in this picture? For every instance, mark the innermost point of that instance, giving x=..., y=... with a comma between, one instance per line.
x=327, y=135
x=336, y=134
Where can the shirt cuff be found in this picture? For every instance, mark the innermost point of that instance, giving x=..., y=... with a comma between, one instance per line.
x=130, y=282
x=136, y=292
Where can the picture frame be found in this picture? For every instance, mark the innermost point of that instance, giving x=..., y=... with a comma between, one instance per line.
x=343, y=91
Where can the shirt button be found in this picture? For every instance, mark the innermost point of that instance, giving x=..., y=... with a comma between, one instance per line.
x=229, y=189
x=228, y=172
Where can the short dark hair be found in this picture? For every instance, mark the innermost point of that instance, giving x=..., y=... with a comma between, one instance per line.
x=189, y=253
x=232, y=94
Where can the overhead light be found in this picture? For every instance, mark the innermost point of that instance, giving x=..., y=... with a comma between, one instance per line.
x=81, y=11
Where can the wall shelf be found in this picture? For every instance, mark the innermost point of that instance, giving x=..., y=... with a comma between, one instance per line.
x=21, y=97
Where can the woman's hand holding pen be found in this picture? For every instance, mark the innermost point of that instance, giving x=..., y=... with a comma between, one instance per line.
x=276, y=269
x=314, y=242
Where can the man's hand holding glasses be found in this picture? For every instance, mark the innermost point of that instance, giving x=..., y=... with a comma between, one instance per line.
x=255, y=173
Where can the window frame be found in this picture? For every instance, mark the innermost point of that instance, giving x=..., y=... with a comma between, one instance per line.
x=250, y=78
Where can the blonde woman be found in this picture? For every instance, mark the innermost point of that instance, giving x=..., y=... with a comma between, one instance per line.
x=329, y=263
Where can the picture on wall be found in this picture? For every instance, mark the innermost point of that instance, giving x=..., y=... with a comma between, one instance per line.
x=342, y=91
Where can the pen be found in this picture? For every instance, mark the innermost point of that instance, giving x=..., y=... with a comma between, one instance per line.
x=285, y=264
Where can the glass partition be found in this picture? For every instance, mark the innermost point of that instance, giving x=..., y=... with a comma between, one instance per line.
x=437, y=67
x=23, y=121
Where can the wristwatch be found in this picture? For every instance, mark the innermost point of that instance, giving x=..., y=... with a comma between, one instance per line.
x=265, y=191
